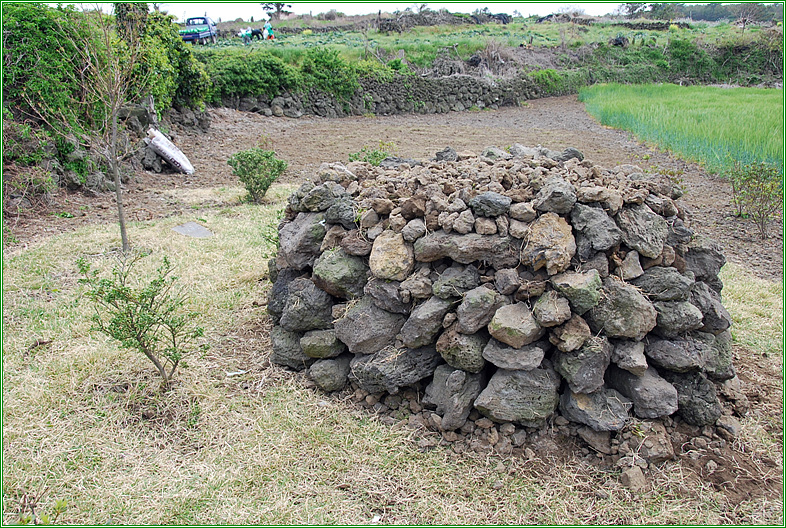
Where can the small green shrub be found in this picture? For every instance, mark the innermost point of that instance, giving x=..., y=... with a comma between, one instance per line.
x=148, y=317
x=374, y=155
x=757, y=191
x=257, y=169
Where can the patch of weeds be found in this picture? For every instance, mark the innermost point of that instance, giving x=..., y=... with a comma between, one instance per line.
x=374, y=155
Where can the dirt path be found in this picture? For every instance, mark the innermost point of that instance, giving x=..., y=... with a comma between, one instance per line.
x=307, y=142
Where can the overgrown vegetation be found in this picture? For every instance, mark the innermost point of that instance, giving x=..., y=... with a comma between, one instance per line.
x=374, y=155
x=710, y=125
x=757, y=192
x=257, y=169
x=145, y=316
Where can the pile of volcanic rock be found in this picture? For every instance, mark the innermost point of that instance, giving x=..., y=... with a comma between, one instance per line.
x=516, y=286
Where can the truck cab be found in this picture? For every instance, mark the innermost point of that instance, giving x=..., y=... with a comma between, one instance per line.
x=199, y=30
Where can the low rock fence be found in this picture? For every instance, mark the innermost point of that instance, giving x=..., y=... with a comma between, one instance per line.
x=405, y=94
x=519, y=288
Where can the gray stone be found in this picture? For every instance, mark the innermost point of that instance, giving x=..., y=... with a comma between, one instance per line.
x=652, y=395
x=582, y=290
x=486, y=226
x=300, y=241
x=391, y=257
x=718, y=365
x=490, y=204
x=342, y=212
x=495, y=153
x=550, y=244
x=193, y=230
x=340, y=275
x=321, y=344
x=464, y=223
x=698, y=400
x=602, y=410
x=678, y=354
x=629, y=355
x=705, y=259
x=514, y=325
x=321, y=197
x=521, y=396
x=633, y=479
x=715, y=317
x=418, y=285
x=584, y=368
x=391, y=369
x=449, y=154
x=630, y=268
x=277, y=299
x=366, y=329
x=387, y=296
x=652, y=442
x=456, y=281
x=567, y=154
x=556, y=195
x=424, y=323
x=730, y=424
x=452, y=392
x=463, y=249
x=622, y=312
x=664, y=284
x=600, y=441
x=507, y=281
x=677, y=317
x=571, y=335
x=678, y=233
x=551, y=309
x=462, y=351
x=642, y=230
x=527, y=357
x=477, y=308
x=597, y=226
x=330, y=374
x=414, y=229
x=306, y=308
x=523, y=212
x=286, y=349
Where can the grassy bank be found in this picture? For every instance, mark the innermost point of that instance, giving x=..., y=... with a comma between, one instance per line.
x=710, y=125
x=238, y=441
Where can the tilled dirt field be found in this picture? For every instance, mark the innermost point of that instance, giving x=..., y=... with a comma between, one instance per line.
x=305, y=143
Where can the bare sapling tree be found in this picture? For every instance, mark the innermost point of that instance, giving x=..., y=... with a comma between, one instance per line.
x=107, y=62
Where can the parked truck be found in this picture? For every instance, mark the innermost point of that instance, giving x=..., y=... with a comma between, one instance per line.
x=199, y=30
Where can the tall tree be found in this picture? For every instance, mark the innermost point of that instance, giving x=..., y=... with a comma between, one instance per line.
x=275, y=9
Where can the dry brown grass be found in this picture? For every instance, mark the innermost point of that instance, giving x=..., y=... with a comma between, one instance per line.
x=239, y=441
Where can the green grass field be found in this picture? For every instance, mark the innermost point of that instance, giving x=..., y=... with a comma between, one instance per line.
x=710, y=125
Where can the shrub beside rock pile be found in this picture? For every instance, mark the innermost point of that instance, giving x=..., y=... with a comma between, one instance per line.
x=512, y=284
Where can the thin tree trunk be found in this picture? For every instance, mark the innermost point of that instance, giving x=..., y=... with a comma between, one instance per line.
x=121, y=215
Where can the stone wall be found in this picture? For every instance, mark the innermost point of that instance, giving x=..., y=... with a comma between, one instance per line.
x=404, y=94
x=519, y=287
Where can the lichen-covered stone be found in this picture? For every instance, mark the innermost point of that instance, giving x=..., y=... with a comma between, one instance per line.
x=456, y=281
x=477, y=308
x=550, y=244
x=664, y=284
x=677, y=317
x=339, y=274
x=392, y=368
x=391, y=257
x=366, y=329
x=551, y=309
x=452, y=392
x=286, y=349
x=462, y=351
x=300, y=241
x=581, y=289
x=463, y=249
x=584, y=368
x=330, y=374
x=321, y=344
x=622, y=311
x=424, y=323
x=556, y=195
x=514, y=325
x=602, y=410
x=642, y=230
x=571, y=335
x=527, y=397
x=306, y=308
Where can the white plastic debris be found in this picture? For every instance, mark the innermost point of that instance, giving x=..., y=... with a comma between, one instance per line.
x=167, y=150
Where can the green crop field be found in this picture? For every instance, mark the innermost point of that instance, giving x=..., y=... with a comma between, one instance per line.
x=711, y=125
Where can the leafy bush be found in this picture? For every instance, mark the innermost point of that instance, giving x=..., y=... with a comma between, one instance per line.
x=325, y=70
x=241, y=73
x=757, y=191
x=147, y=317
x=257, y=169
x=373, y=155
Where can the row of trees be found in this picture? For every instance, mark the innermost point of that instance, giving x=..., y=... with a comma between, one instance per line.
x=748, y=12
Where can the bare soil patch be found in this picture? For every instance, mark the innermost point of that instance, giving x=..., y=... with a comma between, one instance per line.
x=557, y=123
